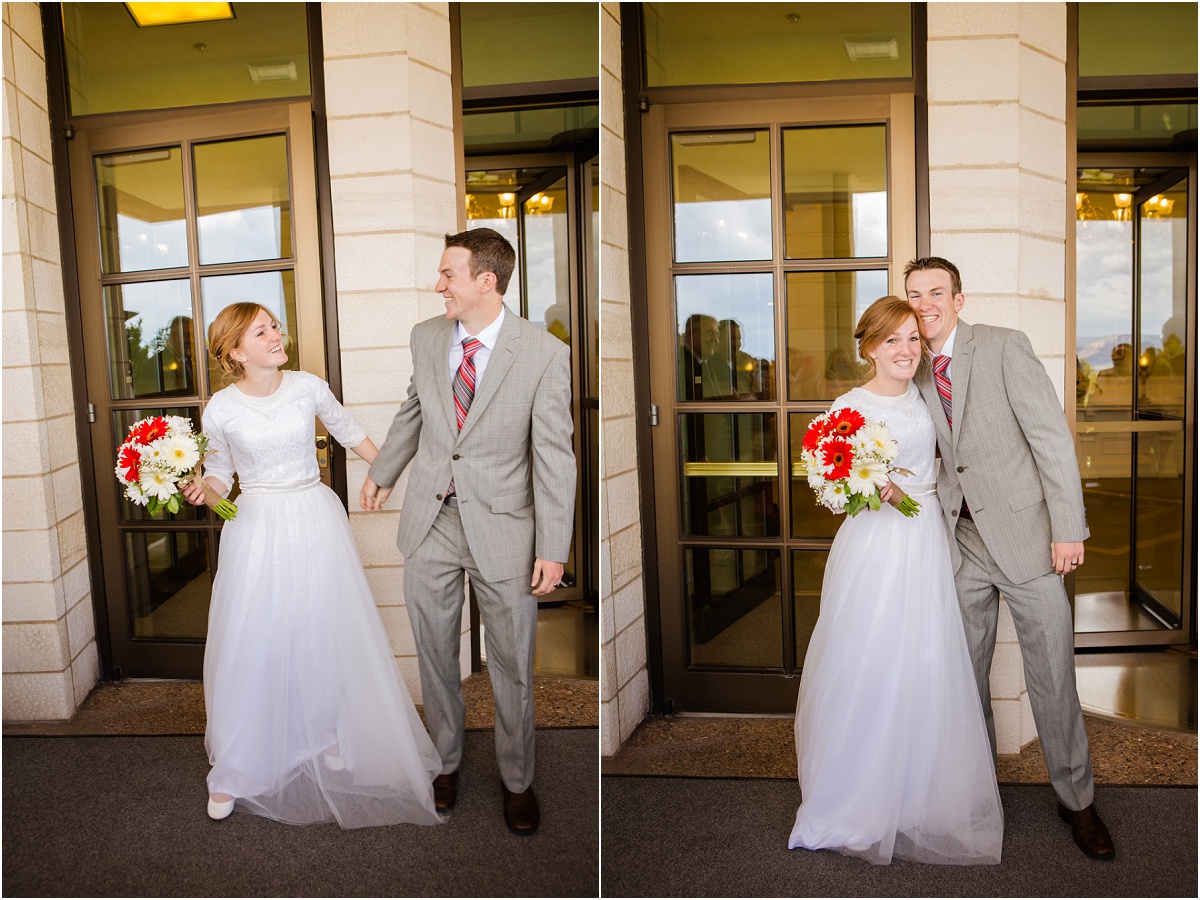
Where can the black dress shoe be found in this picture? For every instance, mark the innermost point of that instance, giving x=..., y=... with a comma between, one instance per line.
x=521, y=813
x=445, y=791
x=1089, y=832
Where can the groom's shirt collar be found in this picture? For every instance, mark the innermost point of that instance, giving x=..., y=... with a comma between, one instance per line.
x=948, y=350
x=487, y=337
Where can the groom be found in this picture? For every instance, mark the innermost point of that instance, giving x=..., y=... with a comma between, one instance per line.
x=1009, y=487
x=487, y=426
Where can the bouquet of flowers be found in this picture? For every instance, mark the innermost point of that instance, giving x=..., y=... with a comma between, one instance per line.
x=160, y=455
x=848, y=459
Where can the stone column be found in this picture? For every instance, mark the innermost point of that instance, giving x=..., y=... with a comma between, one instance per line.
x=392, y=169
x=998, y=193
x=624, y=684
x=50, y=656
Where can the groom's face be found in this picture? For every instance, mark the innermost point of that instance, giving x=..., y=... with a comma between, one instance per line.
x=464, y=295
x=931, y=295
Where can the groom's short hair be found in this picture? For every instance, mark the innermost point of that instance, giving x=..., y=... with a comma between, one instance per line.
x=490, y=252
x=926, y=263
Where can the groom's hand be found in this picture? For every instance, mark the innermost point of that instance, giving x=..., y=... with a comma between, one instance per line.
x=372, y=496
x=1067, y=557
x=546, y=576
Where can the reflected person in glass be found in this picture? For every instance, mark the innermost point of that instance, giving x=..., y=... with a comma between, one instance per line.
x=308, y=719
x=891, y=746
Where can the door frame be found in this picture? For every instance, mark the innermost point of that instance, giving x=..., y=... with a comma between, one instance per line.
x=729, y=690
x=178, y=657
x=1183, y=162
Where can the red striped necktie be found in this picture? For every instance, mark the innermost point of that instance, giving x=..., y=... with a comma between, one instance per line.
x=464, y=387
x=940, y=365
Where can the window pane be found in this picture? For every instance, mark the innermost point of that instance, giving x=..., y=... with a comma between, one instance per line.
x=1147, y=126
x=726, y=328
x=243, y=203
x=150, y=339
x=1162, y=357
x=546, y=260
x=721, y=187
x=1137, y=38
x=730, y=479
x=141, y=210
x=1160, y=515
x=516, y=43
x=835, y=191
x=275, y=291
x=759, y=43
x=123, y=420
x=115, y=66
x=169, y=583
x=527, y=129
x=733, y=608
x=823, y=309
x=808, y=574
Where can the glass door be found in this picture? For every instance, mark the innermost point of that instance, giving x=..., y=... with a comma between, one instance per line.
x=546, y=205
x=770, y=227
x=1135, y=246
x=174, y=221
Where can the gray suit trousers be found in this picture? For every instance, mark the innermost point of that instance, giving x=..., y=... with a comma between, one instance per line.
x=433, y=592
x=1042, y=617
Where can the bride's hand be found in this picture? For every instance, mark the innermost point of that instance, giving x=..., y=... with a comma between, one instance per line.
x=891, y=493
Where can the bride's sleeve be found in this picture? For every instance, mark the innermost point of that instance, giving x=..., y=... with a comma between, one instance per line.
x=219, y=462
x=340, y=423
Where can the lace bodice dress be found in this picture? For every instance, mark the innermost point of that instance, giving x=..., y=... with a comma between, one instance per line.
x=269, y=440
x=308, y=719
x=892, y=751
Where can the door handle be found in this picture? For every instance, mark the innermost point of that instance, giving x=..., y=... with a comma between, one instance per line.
x=323, y=451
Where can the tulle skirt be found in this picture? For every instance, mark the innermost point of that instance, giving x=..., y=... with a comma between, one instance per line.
x=892, y=750
x=308, y=718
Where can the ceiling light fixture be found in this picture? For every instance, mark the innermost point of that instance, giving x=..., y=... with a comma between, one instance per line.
x=859, y=51
x=147, y=15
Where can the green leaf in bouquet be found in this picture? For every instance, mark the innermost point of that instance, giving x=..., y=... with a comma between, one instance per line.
x=873, y=500
x=173, y=504
x=855, y=505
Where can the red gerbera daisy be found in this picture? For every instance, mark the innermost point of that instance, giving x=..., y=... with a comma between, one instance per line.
x=816, y=430
x=150, y=430
x=845, y=422
x=129, y=459
x=837, y=458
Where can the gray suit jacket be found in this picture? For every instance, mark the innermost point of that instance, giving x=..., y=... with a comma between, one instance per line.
x=513, y=464
x=1010, y=451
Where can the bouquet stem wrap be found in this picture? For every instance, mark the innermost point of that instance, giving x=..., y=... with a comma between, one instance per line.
x=212, y=499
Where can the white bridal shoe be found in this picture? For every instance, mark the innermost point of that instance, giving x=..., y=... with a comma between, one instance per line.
x=219, y=809
x=334, y=763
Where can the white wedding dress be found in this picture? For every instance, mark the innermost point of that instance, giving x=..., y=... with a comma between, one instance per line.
x=308, y=718
x=892, y=751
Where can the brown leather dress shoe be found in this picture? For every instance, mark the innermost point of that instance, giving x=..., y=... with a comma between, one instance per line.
x=445, y=791
x=521, y=813
x=1089, y=832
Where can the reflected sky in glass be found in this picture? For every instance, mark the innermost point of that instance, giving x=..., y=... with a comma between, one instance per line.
x=723, y=230
x=747, y=298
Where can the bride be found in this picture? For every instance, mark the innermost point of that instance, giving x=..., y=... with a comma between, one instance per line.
x=308, y=719
x=892, y=752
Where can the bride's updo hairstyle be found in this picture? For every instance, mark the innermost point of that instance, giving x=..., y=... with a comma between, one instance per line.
x=881, y=318
x=226, y=332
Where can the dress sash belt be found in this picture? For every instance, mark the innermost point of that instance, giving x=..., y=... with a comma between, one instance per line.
x=280, y=487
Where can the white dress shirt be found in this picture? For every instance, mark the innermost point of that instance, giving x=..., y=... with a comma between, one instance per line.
x=487, y=337
x=947, y=350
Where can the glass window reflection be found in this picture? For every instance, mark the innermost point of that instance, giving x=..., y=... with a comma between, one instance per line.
x=835, y=191
x=726, y=337
x=721, y=190
x=243, y=203
x=150, y=339
x=170, y=584
x=734, y=604
x=1162, y=357
x=823, y=309
x=140, y=196
x=730, y=478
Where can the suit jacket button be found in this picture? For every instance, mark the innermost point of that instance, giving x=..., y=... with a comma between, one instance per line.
x=439, y=496
x=455, y=456
x=954, y=514
x=962, y=468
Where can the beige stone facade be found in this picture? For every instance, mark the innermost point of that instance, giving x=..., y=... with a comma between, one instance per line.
x=50, y=657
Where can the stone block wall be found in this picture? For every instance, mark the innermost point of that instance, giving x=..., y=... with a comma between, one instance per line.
x=50, y=656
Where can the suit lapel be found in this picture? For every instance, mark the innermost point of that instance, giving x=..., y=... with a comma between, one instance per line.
x=445, y=392
x=508, y=344
x=960, y=365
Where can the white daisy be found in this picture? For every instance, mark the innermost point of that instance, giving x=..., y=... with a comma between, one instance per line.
x=866, y=476
x=834, y=495
x=179, y=451
x=158, y=484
